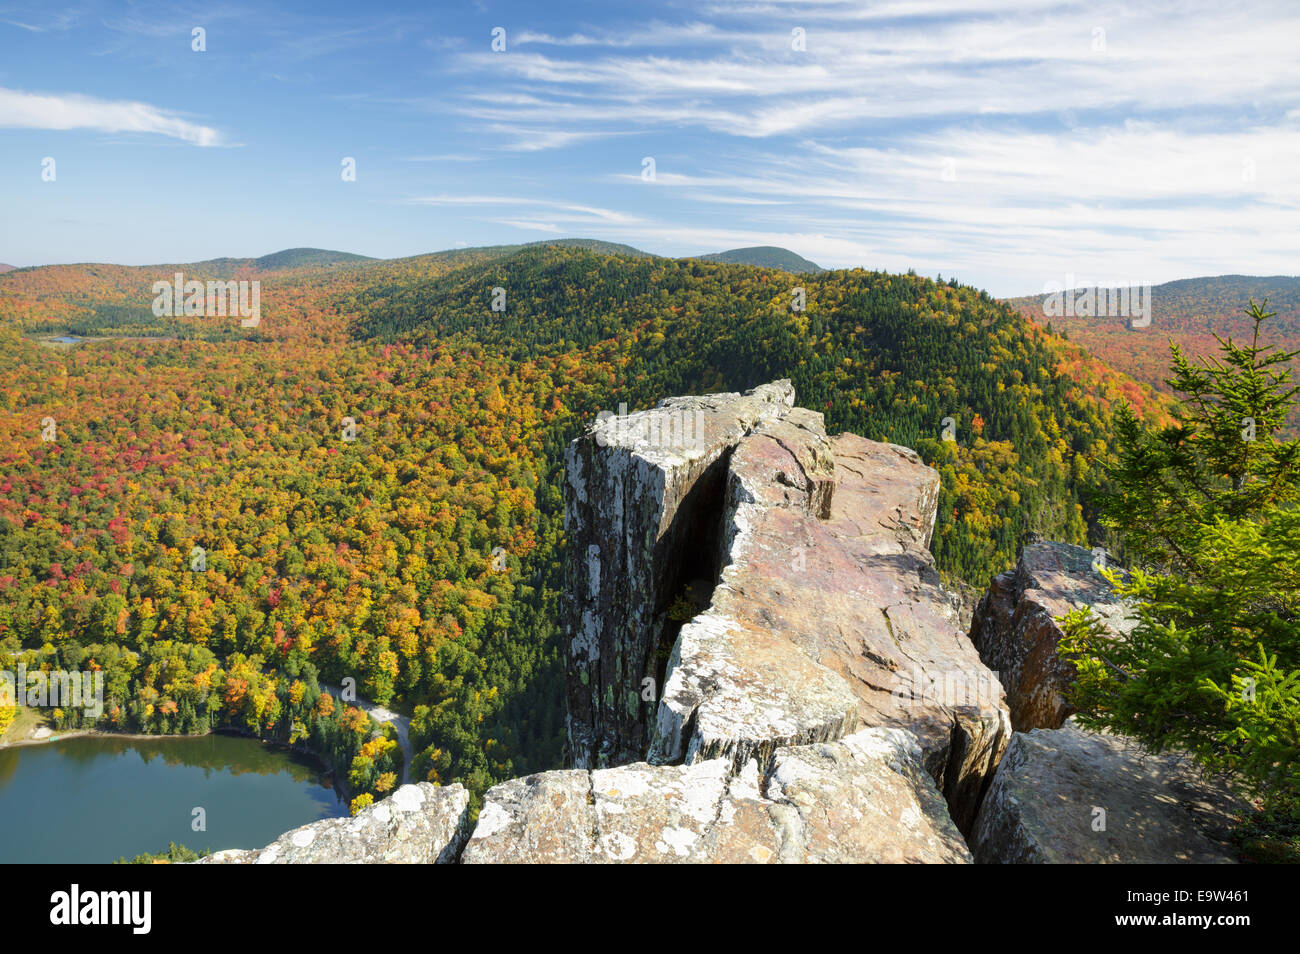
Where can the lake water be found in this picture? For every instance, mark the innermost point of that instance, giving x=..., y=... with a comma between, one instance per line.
x=96, y=799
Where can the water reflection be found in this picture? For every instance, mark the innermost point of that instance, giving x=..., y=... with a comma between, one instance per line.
x=98, y=798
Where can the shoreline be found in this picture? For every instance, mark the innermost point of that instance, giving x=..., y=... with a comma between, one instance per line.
x=338, y=779
x=83, y=733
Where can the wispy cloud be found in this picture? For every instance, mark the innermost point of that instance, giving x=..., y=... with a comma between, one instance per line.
x=557, y=211
x=934, y=60
x=53, y=21
x=991, y=136
x=23, y=110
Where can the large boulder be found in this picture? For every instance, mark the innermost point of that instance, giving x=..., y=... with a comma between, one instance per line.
x=1066, y=795
x=1016, y=633
x=865, y=798
x=829, y=615
x=417, y=824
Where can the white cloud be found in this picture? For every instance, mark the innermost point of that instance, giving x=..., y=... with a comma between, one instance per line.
x=900, y=63
x=567, y=211
x=1092, y=137
x=24, y=110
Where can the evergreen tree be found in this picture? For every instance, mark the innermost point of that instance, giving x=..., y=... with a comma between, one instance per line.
x=1209, y=508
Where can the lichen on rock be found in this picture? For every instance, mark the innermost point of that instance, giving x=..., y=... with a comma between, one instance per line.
x=864, y=798
x=417, y=824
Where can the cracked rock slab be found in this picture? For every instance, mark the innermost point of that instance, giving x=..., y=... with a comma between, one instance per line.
x=829, y=615
x=539, y=819
x=1071, y=796
x=417, y=824
x=738, y=691
x=865, y=798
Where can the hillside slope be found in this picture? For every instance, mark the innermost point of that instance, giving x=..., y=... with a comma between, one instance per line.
x=425, y=556
x=893, y=357
x=1189, y=313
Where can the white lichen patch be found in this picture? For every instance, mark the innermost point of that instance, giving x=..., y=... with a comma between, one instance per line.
x=408, y=798
x=678, y=841
x=491, y=820
x=618, y=846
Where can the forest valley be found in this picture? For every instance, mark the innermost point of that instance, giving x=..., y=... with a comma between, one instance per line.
x=327, y=558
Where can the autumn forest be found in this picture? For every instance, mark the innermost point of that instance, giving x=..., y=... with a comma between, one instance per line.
x=366, y=487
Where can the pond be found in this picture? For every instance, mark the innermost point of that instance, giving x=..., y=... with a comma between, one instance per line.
x=96, y=798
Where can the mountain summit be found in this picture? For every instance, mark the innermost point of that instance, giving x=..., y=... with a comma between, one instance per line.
x=767, y=256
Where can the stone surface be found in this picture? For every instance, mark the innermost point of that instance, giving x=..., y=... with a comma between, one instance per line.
x=1043, y=805
x=1015, y=630
x=829, y=615
x=417, y=824
x=865, y=798
x=642, y=501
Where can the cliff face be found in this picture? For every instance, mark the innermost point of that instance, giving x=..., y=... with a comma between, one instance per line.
x=1015, y=630
x=642, y=514
x=763, y=666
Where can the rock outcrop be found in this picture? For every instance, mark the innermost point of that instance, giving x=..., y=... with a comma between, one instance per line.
x=829, y=615
x=1067, y=795
x=826, y=612
x=864, y=798
x=1015, y=630
x=417, y=824
x=644, y=495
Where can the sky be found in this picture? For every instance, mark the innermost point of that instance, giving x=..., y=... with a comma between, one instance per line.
x=1008, y=144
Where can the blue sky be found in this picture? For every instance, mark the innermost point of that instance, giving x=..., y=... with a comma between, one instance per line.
x=1011, y=144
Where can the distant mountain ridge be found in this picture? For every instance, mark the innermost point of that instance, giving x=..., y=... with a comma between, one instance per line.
x=1190, y=312
x=283, y=260
x=1194, y=304
x=764, y=256
x=6, y=268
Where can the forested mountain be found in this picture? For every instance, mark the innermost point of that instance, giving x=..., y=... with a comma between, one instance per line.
x=304, y=257
x=766, y=256
x=1189, y=312
x=887, y=356
x=373, y=475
